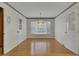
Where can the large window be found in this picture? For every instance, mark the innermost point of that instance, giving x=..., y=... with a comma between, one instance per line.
x=39, y=27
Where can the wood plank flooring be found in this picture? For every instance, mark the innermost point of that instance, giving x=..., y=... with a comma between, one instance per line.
x=40, y=47
x=0, y=51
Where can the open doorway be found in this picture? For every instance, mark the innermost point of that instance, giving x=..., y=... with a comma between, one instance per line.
x=1, y=31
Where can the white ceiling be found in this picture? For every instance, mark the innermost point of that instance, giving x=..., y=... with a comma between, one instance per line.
x=47, y=9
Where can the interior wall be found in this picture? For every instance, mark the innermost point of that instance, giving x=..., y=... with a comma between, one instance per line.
x=51, y=35
x=61, y=32
x=12, y=35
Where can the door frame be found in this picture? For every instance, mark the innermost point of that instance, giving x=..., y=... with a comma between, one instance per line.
x=2, y=30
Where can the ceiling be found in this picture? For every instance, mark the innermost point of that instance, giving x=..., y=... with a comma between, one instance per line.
x=47, y=9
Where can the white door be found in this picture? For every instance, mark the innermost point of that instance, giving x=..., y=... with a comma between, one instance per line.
x=77, y=40
x=65, y=31
x=71, y=32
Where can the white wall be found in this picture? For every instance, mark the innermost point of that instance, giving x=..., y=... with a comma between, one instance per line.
x=60, y=29
x=11, y=36
x=50, y=35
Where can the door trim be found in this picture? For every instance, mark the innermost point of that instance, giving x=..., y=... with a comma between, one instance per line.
x=2, y=30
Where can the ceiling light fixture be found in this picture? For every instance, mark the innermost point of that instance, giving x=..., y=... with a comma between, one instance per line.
x=40, y=21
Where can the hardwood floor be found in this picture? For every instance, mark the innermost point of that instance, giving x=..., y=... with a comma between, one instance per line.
x=40, y=47
x=0, y=51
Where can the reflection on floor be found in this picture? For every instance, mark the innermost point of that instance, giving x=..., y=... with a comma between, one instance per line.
x=40, y=47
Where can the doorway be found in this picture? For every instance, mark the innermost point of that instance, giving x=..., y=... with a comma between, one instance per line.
x=1, y=31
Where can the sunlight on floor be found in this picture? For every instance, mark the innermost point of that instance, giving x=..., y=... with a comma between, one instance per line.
x=39, y=48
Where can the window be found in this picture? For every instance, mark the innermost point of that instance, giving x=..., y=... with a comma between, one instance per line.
x=20, y=24
x=39, y=27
